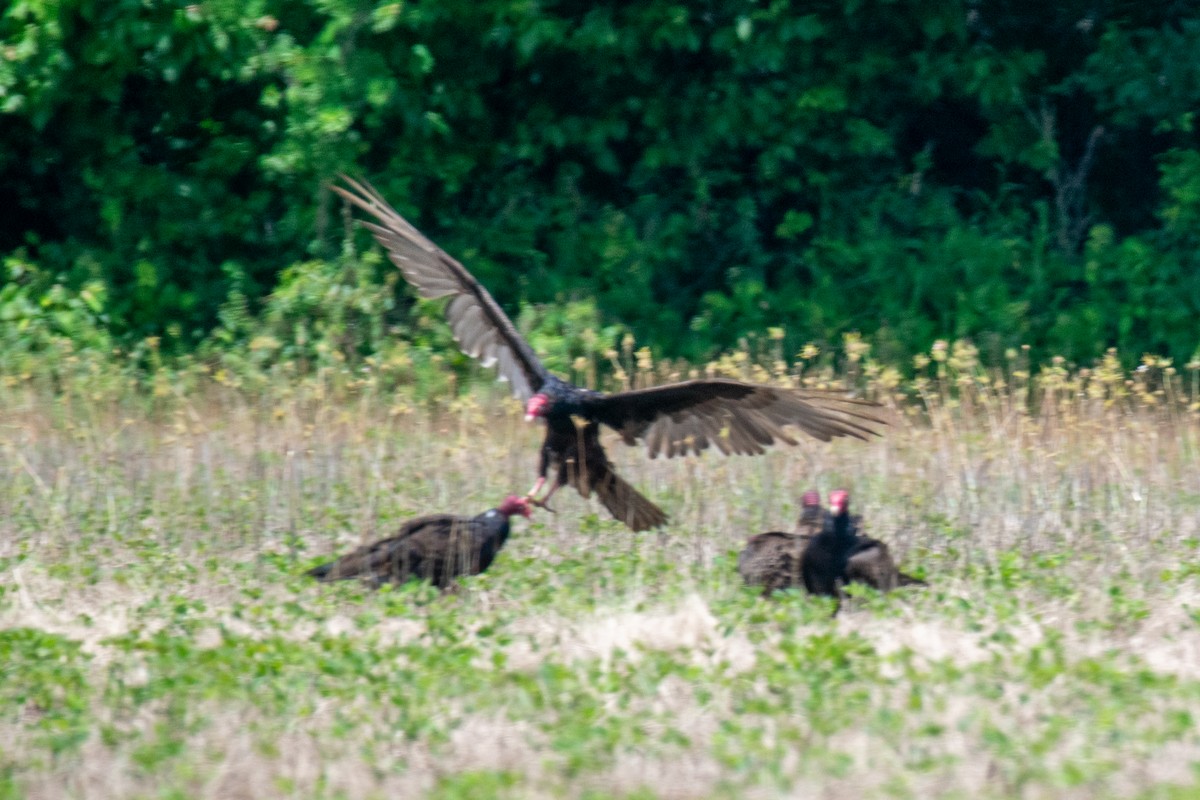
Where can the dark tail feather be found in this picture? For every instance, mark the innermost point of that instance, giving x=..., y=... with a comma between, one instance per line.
x=909, y=580
x=628, y=505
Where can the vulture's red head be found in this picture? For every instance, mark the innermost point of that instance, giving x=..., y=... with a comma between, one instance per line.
x=839, y=501
x=516, y=505
x=812, y=498
x=536, y=407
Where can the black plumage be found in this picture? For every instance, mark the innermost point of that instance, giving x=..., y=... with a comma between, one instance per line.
x=823, y=562
x=437, y=548
x=674, y=420
x=573, y=455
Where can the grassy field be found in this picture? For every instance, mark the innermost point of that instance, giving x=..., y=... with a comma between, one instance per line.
x=158, y=638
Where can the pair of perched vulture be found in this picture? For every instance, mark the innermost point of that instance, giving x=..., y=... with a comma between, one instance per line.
x=826, y=552
x=678, y=419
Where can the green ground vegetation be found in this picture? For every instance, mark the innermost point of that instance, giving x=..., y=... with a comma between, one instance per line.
x=158, y=638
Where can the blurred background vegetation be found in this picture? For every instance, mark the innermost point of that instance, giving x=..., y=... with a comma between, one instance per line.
x=698, y=174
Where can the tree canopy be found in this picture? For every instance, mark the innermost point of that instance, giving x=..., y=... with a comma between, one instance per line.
x=1012, y=172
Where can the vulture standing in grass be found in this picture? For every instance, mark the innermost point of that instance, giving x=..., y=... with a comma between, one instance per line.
x=437, y=548
x=823, y=562
x=674, y=420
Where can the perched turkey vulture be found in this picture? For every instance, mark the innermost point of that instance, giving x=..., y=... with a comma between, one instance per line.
x=772, y=560
x=870, y=561
x=673, y=420
x=437, y=548
x=839, y=555
x=823, y=562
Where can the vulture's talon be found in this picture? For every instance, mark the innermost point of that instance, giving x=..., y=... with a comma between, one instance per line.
x=542, y=504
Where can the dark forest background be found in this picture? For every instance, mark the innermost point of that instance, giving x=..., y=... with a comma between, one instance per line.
x=1009, y=172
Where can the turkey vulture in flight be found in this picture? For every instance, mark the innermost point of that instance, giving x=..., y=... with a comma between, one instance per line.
x=673, y=420
x=437, y=548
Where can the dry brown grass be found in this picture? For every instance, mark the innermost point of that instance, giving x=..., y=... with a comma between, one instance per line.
x=1057, y=521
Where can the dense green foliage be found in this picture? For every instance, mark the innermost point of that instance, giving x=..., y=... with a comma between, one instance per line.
x=1010, y=172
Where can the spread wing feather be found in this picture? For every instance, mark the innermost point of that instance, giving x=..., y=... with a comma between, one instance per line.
x=480, y=326
x=734, y=417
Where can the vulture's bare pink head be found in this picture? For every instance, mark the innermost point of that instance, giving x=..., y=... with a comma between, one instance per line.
x=516, y=505
x=839, y=501
x=536, y=407
x=812, y=498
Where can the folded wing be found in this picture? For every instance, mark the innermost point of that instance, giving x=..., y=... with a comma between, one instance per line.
x=395, y=557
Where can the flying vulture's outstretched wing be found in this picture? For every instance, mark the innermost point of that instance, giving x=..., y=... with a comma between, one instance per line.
x=479, y=324
x=734, y=417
